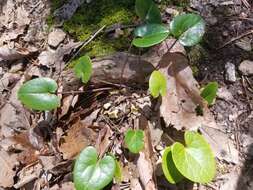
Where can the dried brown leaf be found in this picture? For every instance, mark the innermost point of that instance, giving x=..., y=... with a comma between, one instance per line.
x=178, y=107
x=78, y=137
x=7, y=172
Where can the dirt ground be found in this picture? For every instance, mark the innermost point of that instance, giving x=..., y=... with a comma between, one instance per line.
x=38, y=149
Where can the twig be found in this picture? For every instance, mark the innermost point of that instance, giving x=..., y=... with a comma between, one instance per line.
x=81, y=91
x=236, y=38
x=85, y=43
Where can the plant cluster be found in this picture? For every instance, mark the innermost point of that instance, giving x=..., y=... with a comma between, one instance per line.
x=194, y=160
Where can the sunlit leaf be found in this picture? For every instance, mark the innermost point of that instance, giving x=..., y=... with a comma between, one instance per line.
x=150, y=29
x=169, y=169
x=195, y=161
x=83, y=68
x=38, y=94
x=188, y=29
x=209, y=92
x=91, y=173
x=157, y=84
x=134, y=140
x=149, y=41
x=148, y=11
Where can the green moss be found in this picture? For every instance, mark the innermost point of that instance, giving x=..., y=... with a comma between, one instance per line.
x=90, y=17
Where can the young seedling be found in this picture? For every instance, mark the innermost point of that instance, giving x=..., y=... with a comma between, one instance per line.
x=91, y=173
x=209, y=92
x=83, y=69
x=195, y=161
x=157, y=84
x=134, y=140
x=39, y=94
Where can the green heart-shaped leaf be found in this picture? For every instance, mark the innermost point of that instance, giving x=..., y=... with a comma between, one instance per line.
x=150, y=40
x=169, y=169
x=91, y=173
x=148, y=11
x=157, y=84
x=38, y=94
x=150, y=29
x=195, y=161
x=83, y=68
x=188, y=28
x=134, y=140
x=209, y=92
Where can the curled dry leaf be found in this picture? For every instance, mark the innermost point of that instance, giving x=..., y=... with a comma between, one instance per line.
x=178, y=107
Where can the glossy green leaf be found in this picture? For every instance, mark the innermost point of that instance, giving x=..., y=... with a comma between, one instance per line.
x=209, y=92
x=188, y=29
x=157, y=84
x=134, y=140
x=38, y=94
x=150, y=29
x=148, y=11
x=169, y=169
x=195, y=161
x=83, y=68
x=151, y=40
x=91, y=173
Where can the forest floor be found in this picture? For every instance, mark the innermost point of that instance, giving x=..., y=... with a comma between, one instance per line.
x=37, y=39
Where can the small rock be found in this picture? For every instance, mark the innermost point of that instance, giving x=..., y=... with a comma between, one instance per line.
x=56, y=37
x=224, y=94
x=107, y=106
x=1, y=70
x=171, y=11
x=246, y=67
x=230, y=75
x=17, y=67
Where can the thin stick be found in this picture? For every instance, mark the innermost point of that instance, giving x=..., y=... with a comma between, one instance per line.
x=81, y=91
x=85, y=43
x=236, y=38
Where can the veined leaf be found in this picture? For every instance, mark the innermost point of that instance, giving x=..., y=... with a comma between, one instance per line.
x=157, y=84
x=91, y=173
x=188, y=29
x=209, y=92
x=195, y=161
x=134, y=140
x=83, y=68
x=150, y=29
x=148, y=11
x=169, y=169
x=38, y=94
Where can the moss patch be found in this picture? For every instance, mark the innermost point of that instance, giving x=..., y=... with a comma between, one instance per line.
x=90, y=17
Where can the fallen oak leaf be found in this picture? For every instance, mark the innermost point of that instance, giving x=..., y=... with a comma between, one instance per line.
x=178, y=107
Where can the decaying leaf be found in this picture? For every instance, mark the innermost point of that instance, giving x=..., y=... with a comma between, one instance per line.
x=7, y=173
x=19, y=116
x=145, y=159
x=78, y=137
x=179, y=106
